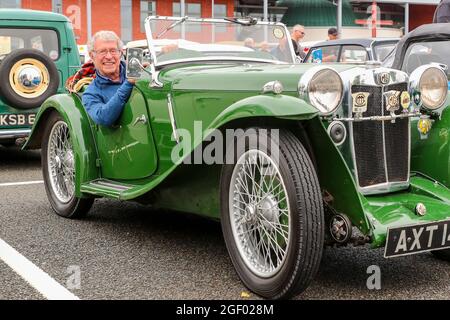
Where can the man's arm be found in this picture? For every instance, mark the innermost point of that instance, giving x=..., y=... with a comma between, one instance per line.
x=107, y=113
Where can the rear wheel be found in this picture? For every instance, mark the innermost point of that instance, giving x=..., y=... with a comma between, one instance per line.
x=58, y=163
x=272, y=215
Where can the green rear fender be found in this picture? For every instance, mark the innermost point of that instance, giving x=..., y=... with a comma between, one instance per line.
x=72, y=111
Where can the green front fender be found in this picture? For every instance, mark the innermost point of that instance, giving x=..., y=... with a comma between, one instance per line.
x=334, y=175
x=267, y=105
x=430, y=155
x=72, y=111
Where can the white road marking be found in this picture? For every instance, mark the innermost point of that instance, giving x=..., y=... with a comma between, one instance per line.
x=9, y=184
x=37, y=278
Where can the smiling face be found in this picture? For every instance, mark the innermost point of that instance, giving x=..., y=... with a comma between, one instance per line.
x=106, y=57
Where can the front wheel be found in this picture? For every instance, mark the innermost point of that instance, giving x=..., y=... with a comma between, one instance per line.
x=58, y=163
x=272, y=214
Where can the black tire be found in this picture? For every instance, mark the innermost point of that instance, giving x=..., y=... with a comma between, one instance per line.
x=17, y=95
x=72, y=207
x=305, y=210
x=442, y=254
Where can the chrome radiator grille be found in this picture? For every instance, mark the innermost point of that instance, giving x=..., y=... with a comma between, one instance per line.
x=381, y=148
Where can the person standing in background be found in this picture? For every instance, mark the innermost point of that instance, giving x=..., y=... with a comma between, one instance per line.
x=298, y=33
x=333, y=34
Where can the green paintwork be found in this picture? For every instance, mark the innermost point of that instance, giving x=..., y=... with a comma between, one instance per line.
x=136, y=160
x=124, y=148
x=397, y=209
x=68, y=61
x=431, y=155
x=73, y=112
x=336, y=178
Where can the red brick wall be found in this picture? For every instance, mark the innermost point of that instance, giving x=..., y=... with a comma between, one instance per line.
x=164, y=8
x=44, y=5
x=106, y=16
x=75, y=10
x=420, y=14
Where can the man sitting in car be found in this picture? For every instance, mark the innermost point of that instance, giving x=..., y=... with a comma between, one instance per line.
x=106, y=96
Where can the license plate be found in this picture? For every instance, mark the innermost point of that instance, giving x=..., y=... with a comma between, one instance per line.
x=25, y=119
x=417, y=238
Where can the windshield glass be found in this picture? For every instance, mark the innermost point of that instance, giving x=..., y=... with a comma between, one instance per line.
x=174, y=39
x=383, y=50
x=421, y=53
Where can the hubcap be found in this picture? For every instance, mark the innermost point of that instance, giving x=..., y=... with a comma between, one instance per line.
x=259, y=213
x=60, y=159
x=29, y=78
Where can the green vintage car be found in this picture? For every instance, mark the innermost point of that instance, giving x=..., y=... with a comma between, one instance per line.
x=430, y=134
x=37, y=54
x=289, y=157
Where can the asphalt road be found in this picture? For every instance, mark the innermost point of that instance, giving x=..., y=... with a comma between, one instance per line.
x=124, y=250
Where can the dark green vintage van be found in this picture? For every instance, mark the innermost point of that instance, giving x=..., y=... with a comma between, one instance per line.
x=37, y=53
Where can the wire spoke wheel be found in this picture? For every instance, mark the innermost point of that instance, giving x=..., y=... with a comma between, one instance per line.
x=272, y=213
x=59, y=170
x=259, y=214
x=61, y=162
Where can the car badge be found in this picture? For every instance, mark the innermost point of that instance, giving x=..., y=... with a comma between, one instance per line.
x=424, y=126
x=392, y=100
x=384, y=77
x=278, y=33
x=360, y=101
x=405, y=100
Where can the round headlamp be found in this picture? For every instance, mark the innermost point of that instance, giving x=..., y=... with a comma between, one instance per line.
x=429, y=86
x=322, y=87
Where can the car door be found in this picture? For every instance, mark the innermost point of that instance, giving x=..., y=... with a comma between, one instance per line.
x=127, y=149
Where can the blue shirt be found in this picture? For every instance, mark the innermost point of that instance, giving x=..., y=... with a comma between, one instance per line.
x=104, y=99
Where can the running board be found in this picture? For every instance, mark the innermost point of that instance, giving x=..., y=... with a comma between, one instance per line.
x=106, y=188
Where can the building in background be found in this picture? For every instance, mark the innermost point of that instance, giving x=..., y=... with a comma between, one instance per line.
x=126, y=17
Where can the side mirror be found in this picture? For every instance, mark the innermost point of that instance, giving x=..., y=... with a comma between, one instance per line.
x=134, y=67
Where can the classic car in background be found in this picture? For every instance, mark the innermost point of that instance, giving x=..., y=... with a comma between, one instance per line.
x=426, y=44
x=351, y=50
x=315, y=150
x=37, y=53
x=431, y=132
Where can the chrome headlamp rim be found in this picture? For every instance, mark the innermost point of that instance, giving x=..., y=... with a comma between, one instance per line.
x=304, y=88
x=415, y=84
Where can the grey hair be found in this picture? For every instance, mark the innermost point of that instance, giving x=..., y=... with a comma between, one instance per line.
x=297, y=26
x=104, y=35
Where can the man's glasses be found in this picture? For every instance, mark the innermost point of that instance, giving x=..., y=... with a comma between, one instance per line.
x=104, y=52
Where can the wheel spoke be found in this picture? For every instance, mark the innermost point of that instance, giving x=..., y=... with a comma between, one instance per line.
x=60, y=162
x=260, y=213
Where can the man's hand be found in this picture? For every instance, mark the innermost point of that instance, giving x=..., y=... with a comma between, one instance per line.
x=133, y=81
